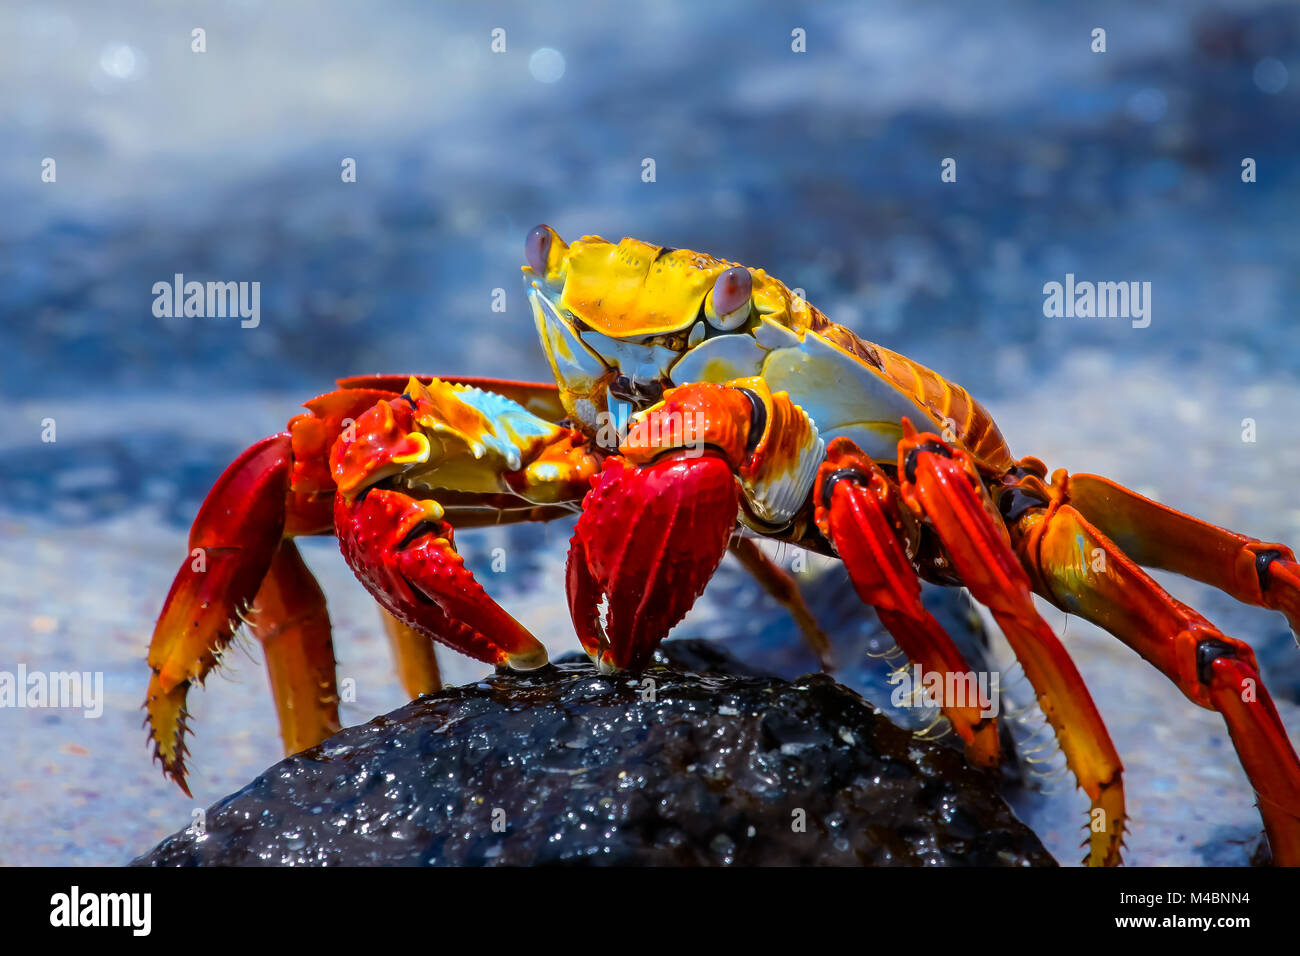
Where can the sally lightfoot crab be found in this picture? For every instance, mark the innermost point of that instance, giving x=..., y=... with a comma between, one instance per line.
x=699, y=405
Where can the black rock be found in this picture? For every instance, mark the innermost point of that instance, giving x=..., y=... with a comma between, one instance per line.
x=564, y=765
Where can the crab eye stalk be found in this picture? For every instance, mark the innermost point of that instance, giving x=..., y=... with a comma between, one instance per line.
x=537, y=249
x=544, y=253
x=727, y=306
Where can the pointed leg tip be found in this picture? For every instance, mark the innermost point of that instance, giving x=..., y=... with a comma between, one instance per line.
x=173, y=766
x=179, y=778
x=165, y=720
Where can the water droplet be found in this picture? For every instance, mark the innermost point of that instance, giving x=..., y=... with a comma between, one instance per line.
x=546, y=65
x=118, y=60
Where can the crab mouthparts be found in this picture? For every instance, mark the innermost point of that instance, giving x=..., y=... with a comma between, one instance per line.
x=639, y=394
x=637, y=367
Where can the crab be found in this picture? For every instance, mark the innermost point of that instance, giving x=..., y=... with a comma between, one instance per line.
x=698, y=407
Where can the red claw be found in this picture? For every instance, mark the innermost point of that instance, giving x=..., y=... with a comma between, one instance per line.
x=403, y=553
x=649, y=539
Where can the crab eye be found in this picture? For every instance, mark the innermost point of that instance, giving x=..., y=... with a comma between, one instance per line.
x=729, y=305
x=537, y=249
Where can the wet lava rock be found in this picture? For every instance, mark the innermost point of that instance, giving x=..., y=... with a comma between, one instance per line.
x=564, y=765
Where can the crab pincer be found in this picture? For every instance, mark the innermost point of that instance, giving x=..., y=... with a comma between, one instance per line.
x=401, y=548
x=650, y=537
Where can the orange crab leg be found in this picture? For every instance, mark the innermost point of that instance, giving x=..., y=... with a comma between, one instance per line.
x=1082, y=571
x=856, y=509
x=232, y=542
x=289, y=618
x=785, y=590
x=417, y=665
x=941, y=484
x=1253, y=571
x=1267, y=756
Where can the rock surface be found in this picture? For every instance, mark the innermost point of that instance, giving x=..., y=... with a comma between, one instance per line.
x=567, y=766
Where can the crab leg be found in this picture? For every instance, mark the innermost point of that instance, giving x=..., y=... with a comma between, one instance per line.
x=417, y=665
x=232, y=543
x=940, y=483
x=1252, y=571
x=1082, y=571
x=289, y=618
x=785, y=590
x=856, y=509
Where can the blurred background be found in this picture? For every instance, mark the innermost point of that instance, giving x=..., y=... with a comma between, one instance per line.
x=821, y=167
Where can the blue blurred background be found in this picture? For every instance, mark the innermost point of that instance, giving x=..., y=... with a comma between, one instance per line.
x=822, y=167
